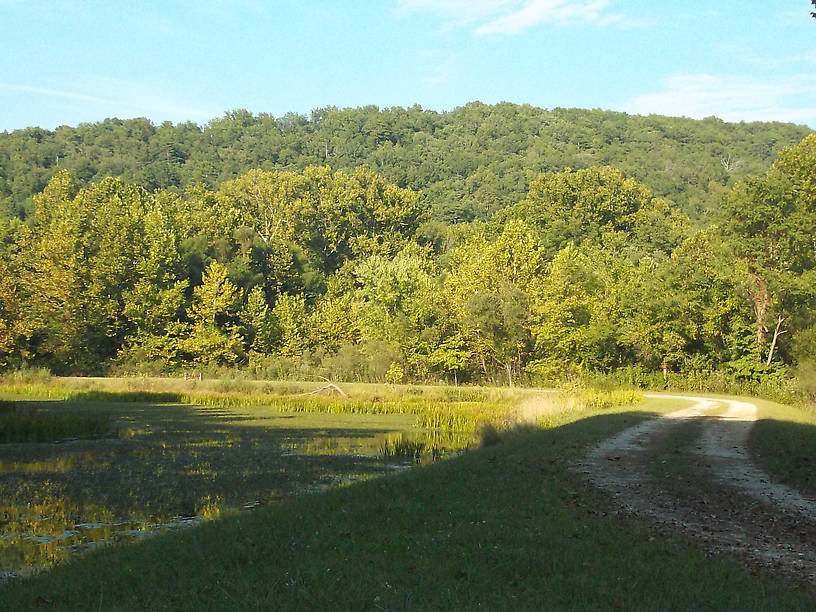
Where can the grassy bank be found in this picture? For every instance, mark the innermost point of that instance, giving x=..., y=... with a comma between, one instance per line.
x=503, y=527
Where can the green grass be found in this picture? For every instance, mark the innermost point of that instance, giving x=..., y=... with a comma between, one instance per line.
x=28, y=424
x=462, y=409
x=783, y=443
x=503, y=527
x=171, y=460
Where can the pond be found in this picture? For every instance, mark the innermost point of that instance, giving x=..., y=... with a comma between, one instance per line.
x=173, y=466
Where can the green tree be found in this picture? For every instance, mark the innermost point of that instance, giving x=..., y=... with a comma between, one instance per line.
x=770, y=222
x=216, y=299
x=582, y=205
x=258, y=322
x=213, y=338
x=487, y=295
x=291, y=320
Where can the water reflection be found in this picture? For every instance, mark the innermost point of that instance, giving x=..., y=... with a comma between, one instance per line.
x=179, y=466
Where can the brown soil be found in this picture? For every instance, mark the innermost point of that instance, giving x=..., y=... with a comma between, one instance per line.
x=729, y=504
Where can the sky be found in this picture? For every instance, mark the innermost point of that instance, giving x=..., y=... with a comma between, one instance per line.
x=70, y=61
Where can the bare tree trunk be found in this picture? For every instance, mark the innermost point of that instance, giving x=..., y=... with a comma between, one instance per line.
x=509, y=367
x=761, y=300
x=777, y=332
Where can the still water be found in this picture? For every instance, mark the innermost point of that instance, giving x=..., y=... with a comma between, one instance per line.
x=172, y=467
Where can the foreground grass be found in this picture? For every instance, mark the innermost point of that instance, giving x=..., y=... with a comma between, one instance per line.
x=504, y=527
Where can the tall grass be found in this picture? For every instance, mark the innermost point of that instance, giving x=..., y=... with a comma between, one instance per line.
x=443, y=407
x=400, y=446
x=31, y=425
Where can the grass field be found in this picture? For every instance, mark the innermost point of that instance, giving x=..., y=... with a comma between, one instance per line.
x=502, y=527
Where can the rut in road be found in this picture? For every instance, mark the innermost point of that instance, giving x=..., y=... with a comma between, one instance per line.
x=731, y=505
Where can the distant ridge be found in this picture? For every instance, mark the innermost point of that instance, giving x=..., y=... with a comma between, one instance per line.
x=468, y=163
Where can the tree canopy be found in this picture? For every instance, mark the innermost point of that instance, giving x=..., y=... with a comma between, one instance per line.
x=289, y=268
x=466, y=164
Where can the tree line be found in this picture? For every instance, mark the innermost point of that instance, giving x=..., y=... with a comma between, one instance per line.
x=467, y=164
x=347, y=274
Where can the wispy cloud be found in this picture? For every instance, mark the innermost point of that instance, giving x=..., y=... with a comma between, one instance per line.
x=56, y=93
x=745, y=53
x=563, y=12
x=796, y=17
x=514, y=16
x=441, y=74
x=460, y=11
x=131, y=99
x=732, y=98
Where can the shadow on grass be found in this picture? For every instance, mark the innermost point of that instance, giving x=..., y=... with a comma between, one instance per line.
x=504, y=527
x=786, y=450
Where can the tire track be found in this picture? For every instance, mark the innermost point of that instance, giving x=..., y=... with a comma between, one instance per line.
x=735, y=508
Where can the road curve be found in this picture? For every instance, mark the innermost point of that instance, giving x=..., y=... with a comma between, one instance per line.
x=730, y=504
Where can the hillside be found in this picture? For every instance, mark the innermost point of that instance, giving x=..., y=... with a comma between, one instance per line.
x=467, y=163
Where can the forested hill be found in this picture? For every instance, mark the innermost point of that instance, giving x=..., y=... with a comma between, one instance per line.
x=467, y=163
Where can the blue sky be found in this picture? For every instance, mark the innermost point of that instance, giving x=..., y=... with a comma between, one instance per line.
x=71, y=61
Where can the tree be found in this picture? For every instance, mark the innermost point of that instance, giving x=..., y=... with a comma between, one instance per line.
x=216, y=299
x=259, y=326
x=770, y=223
x=582, y=205
x=79, y=263
x=213, y=338
x=9, y=314
x=291, y=320
x=487, y=296
x=570, y=320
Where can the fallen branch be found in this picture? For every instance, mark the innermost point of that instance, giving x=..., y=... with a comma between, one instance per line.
x=328, y=387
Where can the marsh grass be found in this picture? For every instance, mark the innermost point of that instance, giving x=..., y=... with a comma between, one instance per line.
x=403, y=447
x=446, y=408
x=171, y=459
x=28, y=424
x=504, y=527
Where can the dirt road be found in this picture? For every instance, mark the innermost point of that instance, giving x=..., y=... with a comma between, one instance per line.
x=717, y=495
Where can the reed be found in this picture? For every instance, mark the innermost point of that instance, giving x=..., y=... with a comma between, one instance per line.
x=442, y=408
x=31, y=425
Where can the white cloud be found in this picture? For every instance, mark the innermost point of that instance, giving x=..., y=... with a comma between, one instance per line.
x=796, y=17
x=514, y=16
x=536, y=12
x=732, y=98
x=441, y=74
